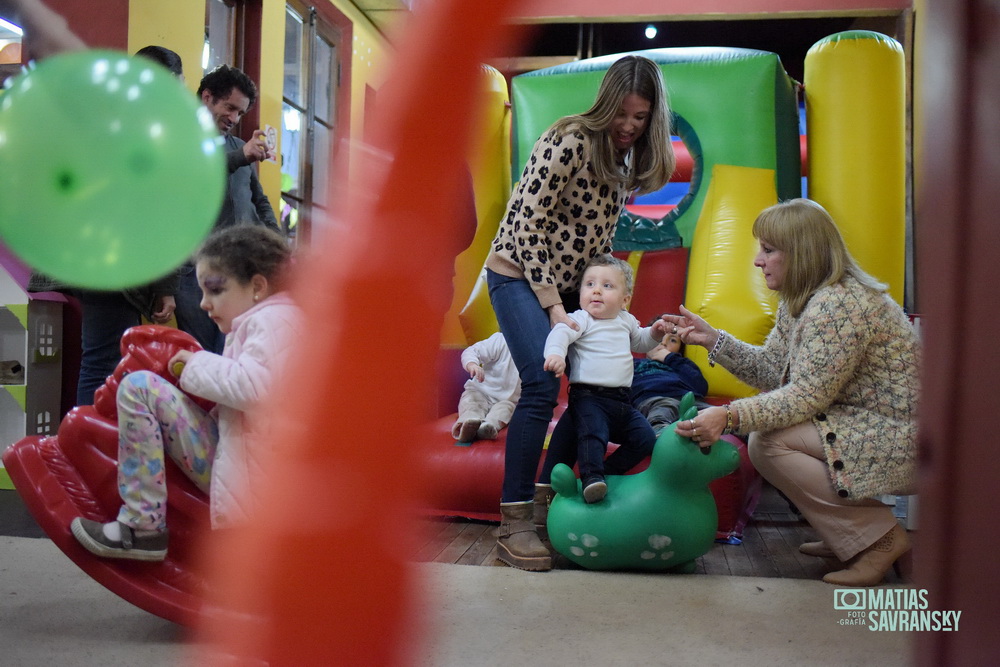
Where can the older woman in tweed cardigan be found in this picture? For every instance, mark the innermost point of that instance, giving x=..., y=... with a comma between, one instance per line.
x=835, y=422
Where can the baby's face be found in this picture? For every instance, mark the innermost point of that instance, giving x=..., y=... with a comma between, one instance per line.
x=602, y=292
x=671, y=345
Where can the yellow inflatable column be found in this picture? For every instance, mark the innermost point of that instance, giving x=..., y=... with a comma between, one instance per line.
x=723, y=285
x=489, y=162
x=855, y=124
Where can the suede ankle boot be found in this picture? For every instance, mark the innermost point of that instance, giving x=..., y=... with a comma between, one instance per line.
x=868, y=568
x=517, y=542
x=543, y=498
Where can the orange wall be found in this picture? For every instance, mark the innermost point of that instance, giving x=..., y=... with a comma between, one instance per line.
x=101, y=24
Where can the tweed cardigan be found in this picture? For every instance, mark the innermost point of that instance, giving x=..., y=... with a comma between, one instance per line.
x=848, y=363
x=559, y=217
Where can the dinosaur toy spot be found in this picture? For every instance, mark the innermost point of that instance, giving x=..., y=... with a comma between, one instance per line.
x=590, y=541
x=659, y=541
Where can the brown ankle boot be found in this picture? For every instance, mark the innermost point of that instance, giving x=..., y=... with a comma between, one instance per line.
x=869, y=567
x=517, y=542
x=817, y=549
x=543, y=498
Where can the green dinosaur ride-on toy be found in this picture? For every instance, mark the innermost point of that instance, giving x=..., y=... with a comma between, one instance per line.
x=662, y=518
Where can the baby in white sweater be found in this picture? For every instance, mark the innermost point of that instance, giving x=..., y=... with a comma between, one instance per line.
x=491, y=392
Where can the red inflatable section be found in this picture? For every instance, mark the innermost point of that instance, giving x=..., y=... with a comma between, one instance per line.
x=467, y=479
x=659, y=282
x=75, y=474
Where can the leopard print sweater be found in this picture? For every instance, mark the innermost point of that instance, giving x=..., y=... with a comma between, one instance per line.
x=849, y=364
x=558, y=218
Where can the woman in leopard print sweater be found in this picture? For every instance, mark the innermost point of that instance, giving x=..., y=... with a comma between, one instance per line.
x=835, y=423
x=562, y=213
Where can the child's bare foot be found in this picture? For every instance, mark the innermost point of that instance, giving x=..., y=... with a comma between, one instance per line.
x=466, y=431
x=487, y=431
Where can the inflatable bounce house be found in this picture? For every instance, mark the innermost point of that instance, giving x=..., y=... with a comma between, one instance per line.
x=737, y=125
x=736, y=119
x=740, y=149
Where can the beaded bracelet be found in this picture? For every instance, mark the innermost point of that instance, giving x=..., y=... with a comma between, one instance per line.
x=715, y=348
x=729, y=421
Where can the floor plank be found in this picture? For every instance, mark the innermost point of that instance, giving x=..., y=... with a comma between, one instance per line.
x=739, y=560
x=757, y=553
x=787, y=565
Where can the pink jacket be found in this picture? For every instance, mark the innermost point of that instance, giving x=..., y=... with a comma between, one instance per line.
x=238, y=381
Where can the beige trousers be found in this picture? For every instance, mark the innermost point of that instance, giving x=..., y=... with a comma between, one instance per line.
x=793, y=460
x=475, y=404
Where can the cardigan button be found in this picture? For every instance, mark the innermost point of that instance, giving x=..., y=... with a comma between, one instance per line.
x=843, y=493
x=838, y=465
x=821, y=417
x=830, y=437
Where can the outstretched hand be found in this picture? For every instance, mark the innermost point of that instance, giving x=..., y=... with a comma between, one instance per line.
x=692, y=329
x=659, y=329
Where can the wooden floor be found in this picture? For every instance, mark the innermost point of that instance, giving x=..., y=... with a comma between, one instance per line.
x=769, y=548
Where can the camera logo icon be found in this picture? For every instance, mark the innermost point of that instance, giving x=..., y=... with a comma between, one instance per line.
x=849, y=598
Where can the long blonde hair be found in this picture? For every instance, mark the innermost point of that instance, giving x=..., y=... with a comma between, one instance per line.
x=815, y=253
x=653, y=154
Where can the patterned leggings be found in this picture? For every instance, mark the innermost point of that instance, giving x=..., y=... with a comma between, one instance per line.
x=156, y=419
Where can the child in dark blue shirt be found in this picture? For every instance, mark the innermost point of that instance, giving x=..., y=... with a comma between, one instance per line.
x=660, y=381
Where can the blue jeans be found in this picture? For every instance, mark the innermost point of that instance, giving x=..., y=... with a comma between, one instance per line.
x=599, y=415
x=190, y=317
x=105, y=317
x=525, y=326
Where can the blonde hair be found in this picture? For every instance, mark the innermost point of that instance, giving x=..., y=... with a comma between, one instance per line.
x=816, y=255
x=653, y=154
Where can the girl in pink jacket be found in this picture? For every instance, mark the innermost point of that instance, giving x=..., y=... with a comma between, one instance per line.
x=242, y=272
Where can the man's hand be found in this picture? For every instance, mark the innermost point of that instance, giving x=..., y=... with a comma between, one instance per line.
x=165, y=306
x=256, y=150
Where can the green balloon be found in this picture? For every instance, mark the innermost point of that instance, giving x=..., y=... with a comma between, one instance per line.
x=111, y=172
x=662, y=518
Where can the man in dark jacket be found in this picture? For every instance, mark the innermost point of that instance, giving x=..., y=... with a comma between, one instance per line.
x=228, y=94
